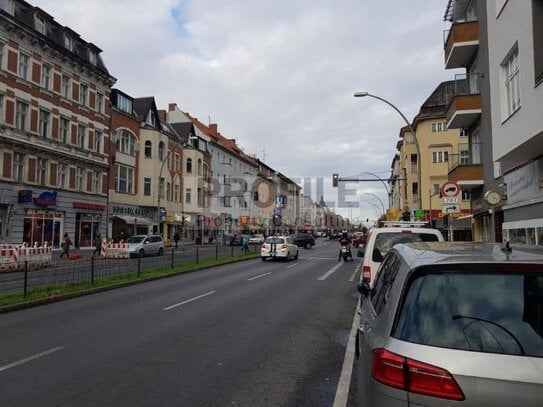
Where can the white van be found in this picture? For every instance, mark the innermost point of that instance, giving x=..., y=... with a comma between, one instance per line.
x=381, y=240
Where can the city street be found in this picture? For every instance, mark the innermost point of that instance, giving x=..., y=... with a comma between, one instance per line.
x=245, y=334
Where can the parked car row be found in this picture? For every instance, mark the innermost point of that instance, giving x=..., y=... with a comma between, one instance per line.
x=449, y=323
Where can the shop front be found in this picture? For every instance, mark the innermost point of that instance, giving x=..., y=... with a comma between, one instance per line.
x=129, y=220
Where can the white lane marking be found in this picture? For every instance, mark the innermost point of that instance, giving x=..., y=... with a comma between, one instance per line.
x=190, y=300
x=342, y=392
x=356, y=270
x=329, y=272
x=259, y=276
x=30, y=358
x=292, y=265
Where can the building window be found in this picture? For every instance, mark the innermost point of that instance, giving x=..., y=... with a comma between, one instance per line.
x=98, y=141
x=46, y=76
x=148, y=149
x=147, y=186
x=537, y=29
x=39, y=23
x=81, y=135
x=64, y=129
x=44, y=123
x=512, y=82
x=437, y=188
x=440, y=156
x=124, y=179
x=464, y=157
x=168, y=191
x=466, y=195
x=42, y=171
x=126, y=143
x=68, y=42
x=161, y=187
x=151, y=120
x=199, y=166
x=189, y=165
x=83, y=95
x=66, y=84
x=2, y=54
x=18, y=167
x=62, y=171
x=21, y=114
x=99, y=103
x=437, y=127
x=188, y=195
x=176, y=193
x=124, y=103
x=92, y=57
x=80, y=179
x=161, y=151
x=177, y=163
x=97, y=182
x=24, y=61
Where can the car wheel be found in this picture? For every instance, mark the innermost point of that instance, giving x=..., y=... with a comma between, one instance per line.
x=308, y=245
x=160, y=251
x=141, y=253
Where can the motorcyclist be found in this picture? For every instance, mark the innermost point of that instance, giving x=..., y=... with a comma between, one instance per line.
x=345, y=241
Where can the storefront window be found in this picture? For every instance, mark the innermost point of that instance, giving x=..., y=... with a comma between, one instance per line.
x=42, y=227
x=539, y=233
x=517, y=236
x=87, y=227
x=530, y=236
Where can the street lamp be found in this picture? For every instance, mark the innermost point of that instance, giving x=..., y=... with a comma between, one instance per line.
x=379, y=199
x=364, y=94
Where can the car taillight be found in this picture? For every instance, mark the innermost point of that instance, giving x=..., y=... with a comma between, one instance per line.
x=366, y=274
x=414, y=376
x=284, y=246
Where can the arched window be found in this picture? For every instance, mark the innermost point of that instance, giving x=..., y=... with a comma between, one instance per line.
x=189, y=165
x=148, y=149
x=199, y=166
x=161, y=151
x=126, y=142
x=206, y=172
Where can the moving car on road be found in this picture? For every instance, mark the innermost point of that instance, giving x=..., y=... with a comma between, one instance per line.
x=453, y=324
x=304, y=240
x=256, y=239
x=145, y=245
x=278, y=247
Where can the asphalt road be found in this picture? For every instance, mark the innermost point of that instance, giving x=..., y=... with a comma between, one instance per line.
x=245, y=334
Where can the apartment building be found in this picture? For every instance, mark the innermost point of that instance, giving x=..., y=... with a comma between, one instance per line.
x=54, y=130
x=515, y=53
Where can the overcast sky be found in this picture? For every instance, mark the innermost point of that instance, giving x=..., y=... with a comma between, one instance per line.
x=279, y=76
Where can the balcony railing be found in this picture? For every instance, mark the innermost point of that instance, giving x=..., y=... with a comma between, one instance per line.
x=468, y=154
x=467, y=84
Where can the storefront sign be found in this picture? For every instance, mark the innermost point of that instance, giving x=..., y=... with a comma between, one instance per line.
x=89, y=206
x=130, y=210
x=46, y=198
x=524, y=183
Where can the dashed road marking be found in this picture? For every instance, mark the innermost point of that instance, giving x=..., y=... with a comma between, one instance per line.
x=190, y=300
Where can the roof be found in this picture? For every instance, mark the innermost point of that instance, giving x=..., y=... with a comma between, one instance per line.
x=143, y=105
x=437, y=103
x=431, y=253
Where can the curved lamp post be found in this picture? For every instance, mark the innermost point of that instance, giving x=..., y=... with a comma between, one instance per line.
x=364, y=94
x=379, y=199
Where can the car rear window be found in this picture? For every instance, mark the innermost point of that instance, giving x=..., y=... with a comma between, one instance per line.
x=476, y=309
x=385, y=241
x=277, y=240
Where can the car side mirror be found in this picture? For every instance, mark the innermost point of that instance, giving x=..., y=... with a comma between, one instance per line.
x=364, y=288
x=360, y=253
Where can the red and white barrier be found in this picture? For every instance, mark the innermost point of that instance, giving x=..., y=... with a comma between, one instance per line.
x=35, y=256
x=8, y=257
x=115, y=250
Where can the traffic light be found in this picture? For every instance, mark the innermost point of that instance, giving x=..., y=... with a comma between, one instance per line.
x=335, y=179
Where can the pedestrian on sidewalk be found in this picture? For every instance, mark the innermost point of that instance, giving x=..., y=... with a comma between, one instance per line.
x=66, y=243
x=176, y=239
x=97, y=244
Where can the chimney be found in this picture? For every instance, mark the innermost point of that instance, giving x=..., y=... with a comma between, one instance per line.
x=213, y=127
x=172, y=107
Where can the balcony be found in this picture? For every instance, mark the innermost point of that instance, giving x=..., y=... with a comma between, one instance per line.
x=465, y=108
x=461, y=42
x=466, y=167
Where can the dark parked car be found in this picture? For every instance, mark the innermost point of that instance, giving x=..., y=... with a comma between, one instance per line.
x=303, y=240
x=453, y=324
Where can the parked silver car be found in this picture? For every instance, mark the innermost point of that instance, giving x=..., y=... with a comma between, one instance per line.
x=144, y=245
x=453, y=325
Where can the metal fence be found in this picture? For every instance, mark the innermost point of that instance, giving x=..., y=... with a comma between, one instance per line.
x=92, y=270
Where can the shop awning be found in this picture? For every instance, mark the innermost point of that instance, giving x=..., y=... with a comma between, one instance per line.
x=132, y=220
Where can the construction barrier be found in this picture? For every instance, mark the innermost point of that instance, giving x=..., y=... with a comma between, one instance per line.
x=35, y=256
x=115, y=250
x=8, y=257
